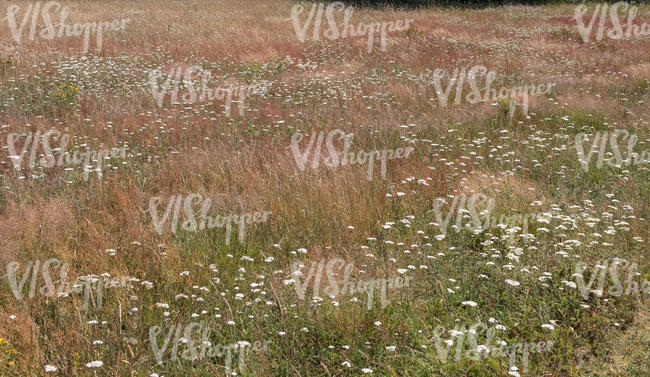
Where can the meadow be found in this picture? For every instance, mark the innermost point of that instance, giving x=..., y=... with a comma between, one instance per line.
x=274, y=188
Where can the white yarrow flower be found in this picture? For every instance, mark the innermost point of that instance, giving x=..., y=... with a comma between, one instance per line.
x=514, y=283
x=95, y=364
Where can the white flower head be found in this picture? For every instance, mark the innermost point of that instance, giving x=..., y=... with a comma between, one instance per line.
x=95, y=364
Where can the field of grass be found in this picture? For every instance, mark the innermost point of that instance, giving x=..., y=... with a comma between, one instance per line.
x=463, y=289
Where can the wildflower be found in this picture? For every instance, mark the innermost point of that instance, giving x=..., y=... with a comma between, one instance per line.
x=95, y=364
x=569, y=283
x=512, y=283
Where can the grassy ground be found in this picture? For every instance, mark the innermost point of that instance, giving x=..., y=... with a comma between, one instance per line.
x=629, y=352
x=385, y=227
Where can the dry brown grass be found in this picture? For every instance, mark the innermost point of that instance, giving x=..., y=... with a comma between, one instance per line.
x=76, y=223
